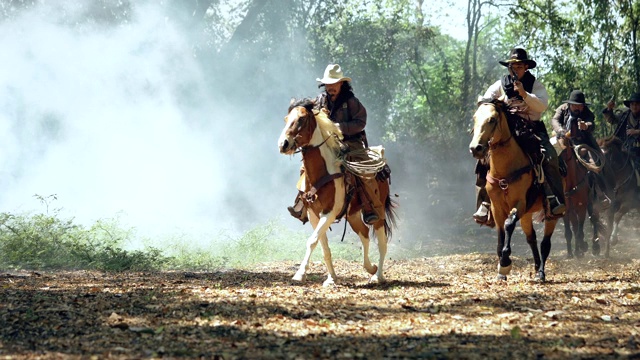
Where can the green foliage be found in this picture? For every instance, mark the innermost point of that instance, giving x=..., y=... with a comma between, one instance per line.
x=46, y=241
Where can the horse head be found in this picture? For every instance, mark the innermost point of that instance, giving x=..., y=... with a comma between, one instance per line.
x=307, y=127
x=614, y=151
x=490, y=128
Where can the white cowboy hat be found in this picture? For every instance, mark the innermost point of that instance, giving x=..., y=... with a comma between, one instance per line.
x=333, y=74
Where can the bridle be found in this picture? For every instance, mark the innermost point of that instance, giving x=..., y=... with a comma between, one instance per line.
x=302, y=122
x=490, y=144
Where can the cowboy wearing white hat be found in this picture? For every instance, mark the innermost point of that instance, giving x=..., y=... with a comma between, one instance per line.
x=351, y=116
x=333, y=74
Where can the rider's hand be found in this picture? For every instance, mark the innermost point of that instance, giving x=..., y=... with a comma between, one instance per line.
x=517, y=86
x=633, y=132
x=611, y=104
x=582, y=125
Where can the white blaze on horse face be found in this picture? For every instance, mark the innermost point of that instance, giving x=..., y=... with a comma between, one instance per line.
x=286, y=141
x=478, y=124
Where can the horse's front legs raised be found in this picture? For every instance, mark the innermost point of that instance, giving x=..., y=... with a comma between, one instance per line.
x=504, y=244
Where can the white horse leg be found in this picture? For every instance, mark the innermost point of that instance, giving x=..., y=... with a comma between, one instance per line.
x=382, y=250
x=331, y=276
x=364, y=238
x=319, y=233
x=311, y=245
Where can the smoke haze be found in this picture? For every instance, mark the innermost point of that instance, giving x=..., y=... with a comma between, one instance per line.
x=121, y=119
x=134, y=118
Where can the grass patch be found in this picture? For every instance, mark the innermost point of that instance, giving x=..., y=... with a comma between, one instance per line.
x=47, y=241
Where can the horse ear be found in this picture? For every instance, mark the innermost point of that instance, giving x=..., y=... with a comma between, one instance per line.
x=293, y=100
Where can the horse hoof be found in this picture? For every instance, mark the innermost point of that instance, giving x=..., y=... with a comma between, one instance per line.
x=298, y=277
x=375, y=279
x=540, y=277
x=328, y=283
x=373, y=270
x=504, y=270
x=595, y=249
x=569, y=255
x=501, y=277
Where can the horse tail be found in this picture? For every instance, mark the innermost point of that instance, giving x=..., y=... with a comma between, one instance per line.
x=391, y=217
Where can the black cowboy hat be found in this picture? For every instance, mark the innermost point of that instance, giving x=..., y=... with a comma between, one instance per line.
x=576, y=97
x=634, y=98
x=518, y=55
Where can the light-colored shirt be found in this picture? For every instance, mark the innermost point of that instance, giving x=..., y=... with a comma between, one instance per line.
x=533, y=105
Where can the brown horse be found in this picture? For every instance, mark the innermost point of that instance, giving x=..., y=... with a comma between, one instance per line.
x=626, y=194
x=579, y=198
x=327, y=194
x=510, y=184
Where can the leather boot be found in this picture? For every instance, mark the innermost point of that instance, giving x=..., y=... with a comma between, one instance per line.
x=556, y=207
x=481, y=216
x=369, y=216
x=299, y=210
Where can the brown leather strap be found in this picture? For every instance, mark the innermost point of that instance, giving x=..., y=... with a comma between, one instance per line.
x=309, y=195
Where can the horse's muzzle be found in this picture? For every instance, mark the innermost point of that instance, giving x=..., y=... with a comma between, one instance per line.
x=478, y=151
x=286, y=147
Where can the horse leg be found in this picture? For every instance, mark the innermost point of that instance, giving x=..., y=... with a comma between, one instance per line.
x=504, y=267
x=594, y=217
x=356, y=223
x=545, y=247
x=526, y=223
x=381, y=235
x=568, y=235
x=328, y=261
x=582, y=217
x=320, y=226
x=620, y=212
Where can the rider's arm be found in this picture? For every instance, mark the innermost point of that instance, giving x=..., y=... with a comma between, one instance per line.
x=357, y=117
x=537, y=99
x=558, y=120
x=589, y=118
x=610, y=116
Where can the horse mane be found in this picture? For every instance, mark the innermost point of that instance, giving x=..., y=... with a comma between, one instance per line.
x=327, y=127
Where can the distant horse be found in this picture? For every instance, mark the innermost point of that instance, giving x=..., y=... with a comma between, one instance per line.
x=328, y=194
x=619, y=167
x=510, y=184
x=578, y=198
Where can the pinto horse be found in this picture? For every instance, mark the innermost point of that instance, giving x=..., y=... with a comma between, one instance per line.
x=578, y=198
x=316, y=137
x=510, y=185
x=626, y=194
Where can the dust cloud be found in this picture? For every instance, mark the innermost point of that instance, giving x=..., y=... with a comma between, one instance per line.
x=126, y=109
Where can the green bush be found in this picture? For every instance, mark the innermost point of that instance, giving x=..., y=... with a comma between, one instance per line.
x=46, y=241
